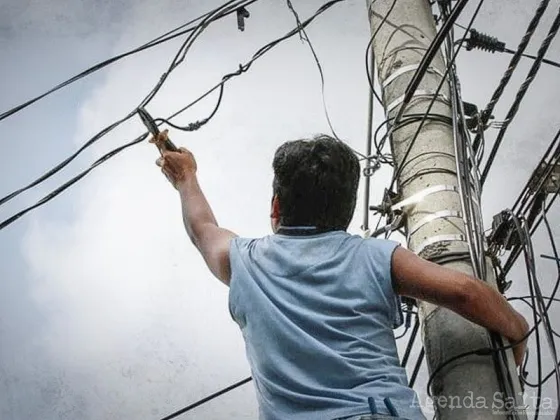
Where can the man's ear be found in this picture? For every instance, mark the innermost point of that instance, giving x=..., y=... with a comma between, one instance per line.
x=275, y=208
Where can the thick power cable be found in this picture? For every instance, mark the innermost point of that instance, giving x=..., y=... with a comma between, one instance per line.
x=369, y=49
x=207, y=399
x=527, y=198
x=450, y=65
x=166, y=37
x=430, y=54
x=305, y=38
x=514, y=62
x=178, y=59
x=521, y=94
x=242, y=69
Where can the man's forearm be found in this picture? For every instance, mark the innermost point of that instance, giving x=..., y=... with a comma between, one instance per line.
x=196, y=210
x=489, y=308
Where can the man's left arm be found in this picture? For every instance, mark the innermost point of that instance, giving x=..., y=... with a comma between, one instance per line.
x=211, y=240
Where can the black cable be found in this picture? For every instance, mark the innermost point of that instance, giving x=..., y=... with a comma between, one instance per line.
x=166, y=37
x=72, y=181
x=535, y=320
x=305, y=38
x=486, y=114
x=179, y=57
x=526, y=302
x=242, y=69
x=543, y=381
x=526, y=199
x=208, y=398
x=369, y=48
x=490, y=351
x=521, y=94
x=197, y=124
x=544, y=309
x=417, y=367
x=485, y=351
x=431, y=53
x=436, y=93
x=514, y=298
x=534, y=57
x=245, y=67
x=406, y=120
x=411, y=342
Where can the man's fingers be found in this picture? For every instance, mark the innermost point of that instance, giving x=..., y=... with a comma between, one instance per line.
x=160, y=162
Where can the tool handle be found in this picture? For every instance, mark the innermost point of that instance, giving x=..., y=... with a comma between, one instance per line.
x=170, y=146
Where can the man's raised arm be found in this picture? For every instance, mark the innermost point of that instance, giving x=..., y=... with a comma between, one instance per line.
x=211, y=240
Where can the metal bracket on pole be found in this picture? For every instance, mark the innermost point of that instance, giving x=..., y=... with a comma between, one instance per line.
x=443, y=214
x=426, y=94
x=406, y=69
x=420, y=195
x=440, y=238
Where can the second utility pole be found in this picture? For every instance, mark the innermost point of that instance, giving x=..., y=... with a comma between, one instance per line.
x=435, y=225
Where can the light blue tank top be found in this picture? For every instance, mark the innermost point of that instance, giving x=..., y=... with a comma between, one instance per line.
x=317, y=314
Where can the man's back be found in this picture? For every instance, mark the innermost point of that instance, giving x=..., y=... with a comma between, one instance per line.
x=317, y=313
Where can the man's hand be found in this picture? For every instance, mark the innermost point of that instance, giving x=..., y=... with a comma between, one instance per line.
x=177, y=166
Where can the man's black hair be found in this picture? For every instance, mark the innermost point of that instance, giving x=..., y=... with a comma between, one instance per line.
x=316, y=182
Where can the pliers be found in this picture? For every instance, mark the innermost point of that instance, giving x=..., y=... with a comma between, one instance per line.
x=153, y=128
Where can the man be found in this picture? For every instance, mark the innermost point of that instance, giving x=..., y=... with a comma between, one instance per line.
x=316, y=305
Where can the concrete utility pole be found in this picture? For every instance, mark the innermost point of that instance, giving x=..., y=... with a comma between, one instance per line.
x=436, y=230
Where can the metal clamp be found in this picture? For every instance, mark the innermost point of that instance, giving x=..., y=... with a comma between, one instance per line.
x=418, y=94
x=440, y=238
x=443, y=214
x=420, y=195
x=407, y=69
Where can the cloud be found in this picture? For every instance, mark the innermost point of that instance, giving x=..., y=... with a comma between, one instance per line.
x=59, y=17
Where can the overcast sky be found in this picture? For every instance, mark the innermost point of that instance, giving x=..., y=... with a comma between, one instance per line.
x=106, y=309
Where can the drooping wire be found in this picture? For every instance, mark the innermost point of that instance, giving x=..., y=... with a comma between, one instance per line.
x=534, y=329
x=443, y=31
x=207, y=399
x=166, y=37
x=72, y=181
x=521, y=94
x=197, y=124
x=305, y=38
x=242, y=69
x=215, y=15
x=369, y=48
